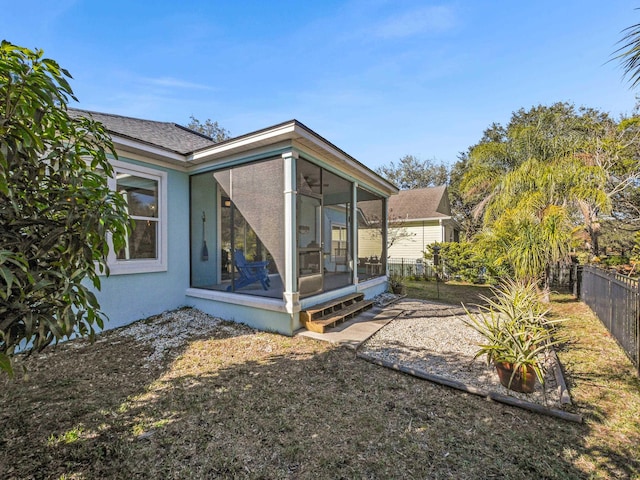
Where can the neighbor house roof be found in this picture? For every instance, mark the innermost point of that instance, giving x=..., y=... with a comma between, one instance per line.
x=420, y=204
x=167, y=135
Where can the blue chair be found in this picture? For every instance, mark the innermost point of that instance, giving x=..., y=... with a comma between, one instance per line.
x=250, y=272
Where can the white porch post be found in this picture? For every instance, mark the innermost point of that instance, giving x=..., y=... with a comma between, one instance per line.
x=354, y=232
x=385, y=235
x=441, y=230
x=291, y=295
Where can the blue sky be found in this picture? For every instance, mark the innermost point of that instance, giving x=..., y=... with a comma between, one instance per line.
x=380, y=79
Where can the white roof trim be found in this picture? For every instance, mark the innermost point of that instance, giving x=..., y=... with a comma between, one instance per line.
x=135, y=146
x=431, y=219
x=357, y=166
x=292, y=131
x=242, y=143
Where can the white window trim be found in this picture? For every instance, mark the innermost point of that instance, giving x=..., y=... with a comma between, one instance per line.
x=121, y=267
x=341, y=226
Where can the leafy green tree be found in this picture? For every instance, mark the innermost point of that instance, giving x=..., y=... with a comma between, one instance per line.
x=543, y=133
x=56, y=210
x=635, y=252
x=210, y=129
x=410, y=173
x=530, y=215
x=601, y=156
x=613, y=148
x=533, y=243
x=549, y=171
x=462, y=208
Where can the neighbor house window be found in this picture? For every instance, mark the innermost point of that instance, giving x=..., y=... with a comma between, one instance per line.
x=144, y=191
x=339, y=240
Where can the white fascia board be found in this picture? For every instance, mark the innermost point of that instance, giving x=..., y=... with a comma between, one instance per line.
x=125, y=155
x=243, y=144
x=257, y=153
x=129, y=145
x=433, y=219
x=361, y=169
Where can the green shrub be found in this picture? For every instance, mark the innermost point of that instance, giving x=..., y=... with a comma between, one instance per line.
x=466, y=262
x=615, y=260
x=57, y=212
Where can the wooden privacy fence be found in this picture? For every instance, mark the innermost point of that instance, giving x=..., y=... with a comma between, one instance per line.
x=615, y=299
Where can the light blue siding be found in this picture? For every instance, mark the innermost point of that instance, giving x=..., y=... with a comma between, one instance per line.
x=204, y=199
x=129, y=297
x=254, y=316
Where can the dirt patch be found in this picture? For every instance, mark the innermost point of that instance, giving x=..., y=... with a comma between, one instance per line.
x=230, y=402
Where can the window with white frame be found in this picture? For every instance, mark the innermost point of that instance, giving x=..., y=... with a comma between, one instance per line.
x=338, y=241
x=144, y=191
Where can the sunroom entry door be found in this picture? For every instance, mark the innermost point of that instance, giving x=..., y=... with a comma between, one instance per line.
x=309, y=244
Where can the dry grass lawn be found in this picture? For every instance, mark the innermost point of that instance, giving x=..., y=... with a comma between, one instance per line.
x=244, y=404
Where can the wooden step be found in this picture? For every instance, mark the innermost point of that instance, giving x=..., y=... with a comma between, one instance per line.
x=320, y=324
x=326, y=308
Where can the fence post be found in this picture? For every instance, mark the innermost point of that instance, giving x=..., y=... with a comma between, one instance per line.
x=638, y=328
x=610, y=299
x=577, y=281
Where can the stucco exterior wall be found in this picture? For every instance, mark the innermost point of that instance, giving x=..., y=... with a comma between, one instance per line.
x=126, y=298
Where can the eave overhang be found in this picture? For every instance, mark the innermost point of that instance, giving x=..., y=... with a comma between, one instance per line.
x=291, y=134
x=448, y=219
x=298, y=136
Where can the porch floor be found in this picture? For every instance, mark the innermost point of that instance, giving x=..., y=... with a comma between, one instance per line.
x=332, y=281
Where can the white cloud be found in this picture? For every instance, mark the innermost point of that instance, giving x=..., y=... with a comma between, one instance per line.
x=173, y=83
x=433, y=19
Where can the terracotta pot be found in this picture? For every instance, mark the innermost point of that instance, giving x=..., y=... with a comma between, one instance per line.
x=398, y=289
x=524, y=380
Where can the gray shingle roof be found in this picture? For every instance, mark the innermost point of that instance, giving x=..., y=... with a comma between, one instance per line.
x=419, y=203
x=166, y=135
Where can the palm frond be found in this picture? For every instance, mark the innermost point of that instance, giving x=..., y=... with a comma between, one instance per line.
x=629, y=54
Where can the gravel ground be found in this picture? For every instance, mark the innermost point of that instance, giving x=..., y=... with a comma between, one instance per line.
x=431, y=337
x=172, y=329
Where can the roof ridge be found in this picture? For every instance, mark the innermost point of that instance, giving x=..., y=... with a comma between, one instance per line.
x=190, y=130
x=120, y=116
x=167, y=135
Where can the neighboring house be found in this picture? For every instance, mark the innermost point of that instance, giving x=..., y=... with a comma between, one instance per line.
x=281, y=199
x=418, y=218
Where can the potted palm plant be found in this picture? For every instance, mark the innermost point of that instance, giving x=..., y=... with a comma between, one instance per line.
x=517, y=334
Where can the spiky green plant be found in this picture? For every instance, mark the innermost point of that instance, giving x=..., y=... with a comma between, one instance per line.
x=515, y=326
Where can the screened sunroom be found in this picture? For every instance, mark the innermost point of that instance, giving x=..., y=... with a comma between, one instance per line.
x=282, y=220
x=242, y=216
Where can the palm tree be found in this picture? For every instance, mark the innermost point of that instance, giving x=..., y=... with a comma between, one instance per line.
x=528, y=214
x=629, y=54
